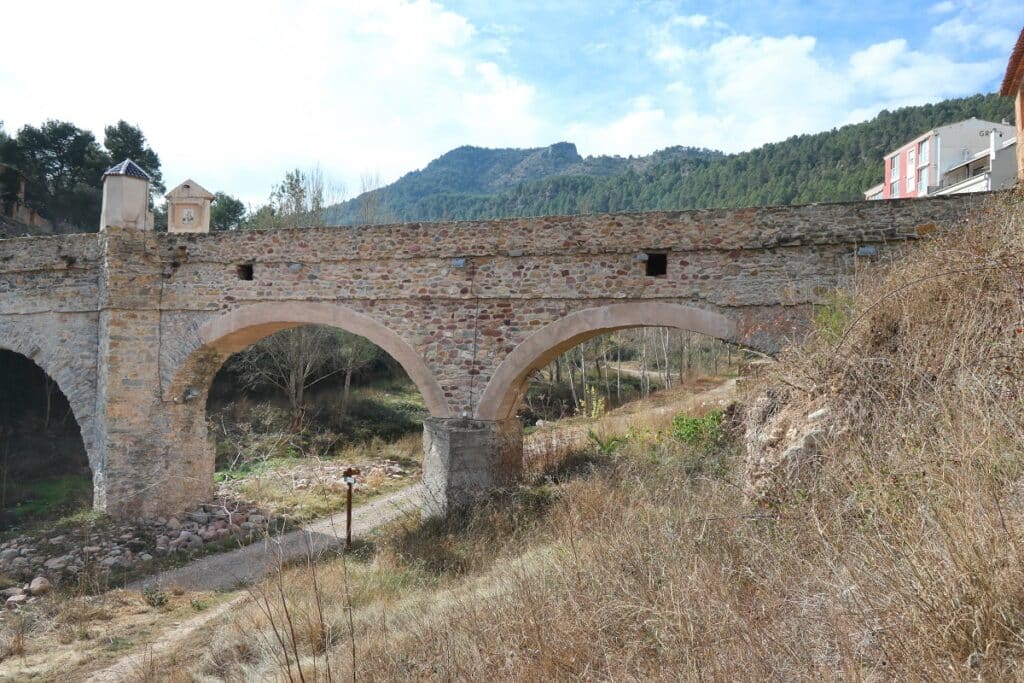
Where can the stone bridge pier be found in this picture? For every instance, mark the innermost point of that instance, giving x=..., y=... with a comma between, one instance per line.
x=133, y=324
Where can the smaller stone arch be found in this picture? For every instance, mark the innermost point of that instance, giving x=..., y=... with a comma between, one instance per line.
x=239, y=328
x=74, y=373
x=503, y=392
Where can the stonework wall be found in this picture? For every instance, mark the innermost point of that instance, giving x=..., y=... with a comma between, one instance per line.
x=49, y=293
x=145, y=319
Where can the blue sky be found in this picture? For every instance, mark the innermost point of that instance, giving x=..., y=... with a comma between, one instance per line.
x=232, y=94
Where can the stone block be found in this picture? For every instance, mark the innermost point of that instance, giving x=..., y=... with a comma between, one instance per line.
x=464, y=458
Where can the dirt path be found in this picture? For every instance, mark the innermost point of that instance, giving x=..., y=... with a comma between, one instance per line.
x=244, y=566
x=567, y=435
x=250, y=563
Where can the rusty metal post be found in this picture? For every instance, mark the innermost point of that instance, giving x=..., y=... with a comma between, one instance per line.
x=350, y=480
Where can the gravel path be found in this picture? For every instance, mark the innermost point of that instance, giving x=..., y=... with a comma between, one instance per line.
x=247, y=564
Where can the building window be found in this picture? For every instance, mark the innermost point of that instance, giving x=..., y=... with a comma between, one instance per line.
x=244, y=271
x=657, y=265
x=894, y=167
x=894, y=189
x=922, y=153
x=922, y=183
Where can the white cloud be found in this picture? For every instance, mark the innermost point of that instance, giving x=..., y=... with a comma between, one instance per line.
x=233, y=99
x=958, y=32
x=640, y=129
x=763, y=89
x=892, y=72
x=673, y=55
x=944, y=7
x=692, y=20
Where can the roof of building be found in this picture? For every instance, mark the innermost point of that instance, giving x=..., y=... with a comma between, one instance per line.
x=939, y=129
x=1014, y=69
x=189, y=189
x=128, y=168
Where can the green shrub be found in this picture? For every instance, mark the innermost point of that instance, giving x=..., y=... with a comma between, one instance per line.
x=698, y=431
x=154, y=597
x=832, y=317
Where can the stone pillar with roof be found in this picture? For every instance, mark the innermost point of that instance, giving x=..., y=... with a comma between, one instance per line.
x=151, y=450
x=126, y=197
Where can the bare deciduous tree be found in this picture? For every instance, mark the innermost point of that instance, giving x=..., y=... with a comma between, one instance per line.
x=291, y=361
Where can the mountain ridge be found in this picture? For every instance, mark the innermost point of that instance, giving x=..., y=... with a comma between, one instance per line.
x=835, y=165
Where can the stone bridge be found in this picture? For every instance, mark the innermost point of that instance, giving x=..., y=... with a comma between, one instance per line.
x=133, y=324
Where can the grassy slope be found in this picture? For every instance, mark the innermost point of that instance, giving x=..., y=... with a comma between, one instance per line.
x=898, y=554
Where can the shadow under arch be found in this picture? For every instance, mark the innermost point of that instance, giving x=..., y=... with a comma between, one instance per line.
x=48, y=459
x=241, y=327
x=501, y=397
x=68, y=378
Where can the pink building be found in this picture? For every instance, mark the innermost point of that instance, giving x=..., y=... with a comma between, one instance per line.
x=919, y=168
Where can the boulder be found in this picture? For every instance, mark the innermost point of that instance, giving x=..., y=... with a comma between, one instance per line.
x=40, y=586
x=16, y=601
x=200, y=517
x=56, y=563
x=783, y=439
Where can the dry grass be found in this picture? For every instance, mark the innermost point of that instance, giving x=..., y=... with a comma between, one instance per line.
x=276, y=486
x=900, y=557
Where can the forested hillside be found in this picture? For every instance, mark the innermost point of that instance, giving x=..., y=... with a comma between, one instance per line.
x=835, y=165
x=474, y=174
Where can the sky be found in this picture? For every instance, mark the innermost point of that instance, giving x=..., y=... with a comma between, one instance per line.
x=234, y=94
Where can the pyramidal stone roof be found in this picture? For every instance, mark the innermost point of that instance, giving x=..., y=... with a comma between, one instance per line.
x=128, y=168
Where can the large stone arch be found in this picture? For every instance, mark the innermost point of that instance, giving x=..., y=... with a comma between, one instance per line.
x=229, y=333
x=501, y=397
x=66, y=352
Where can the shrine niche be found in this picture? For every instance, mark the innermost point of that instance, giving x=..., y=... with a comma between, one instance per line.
x=188, y=208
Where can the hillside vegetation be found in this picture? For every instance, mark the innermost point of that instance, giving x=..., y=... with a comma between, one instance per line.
x=468, y=174
x=835, y=165
x=890, y=548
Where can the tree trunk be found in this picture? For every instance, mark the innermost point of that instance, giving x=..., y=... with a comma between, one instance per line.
x=298, y=397
x=645, y=385
x=346, y=392
x=681, y=360
x=572, y=385
x=618, y=369
x=48, y=390
x=583, y=370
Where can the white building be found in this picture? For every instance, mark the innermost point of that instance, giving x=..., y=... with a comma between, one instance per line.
x=946, y=159
x=990, y=169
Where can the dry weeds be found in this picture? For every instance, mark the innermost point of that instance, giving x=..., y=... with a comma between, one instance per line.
x=900, y=559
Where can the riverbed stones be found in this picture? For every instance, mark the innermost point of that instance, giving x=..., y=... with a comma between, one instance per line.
x=40, y=586
x=16, y=601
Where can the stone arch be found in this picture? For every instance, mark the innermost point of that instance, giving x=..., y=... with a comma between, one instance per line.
x=62, y=361
x=503, y=392
x=237, y=329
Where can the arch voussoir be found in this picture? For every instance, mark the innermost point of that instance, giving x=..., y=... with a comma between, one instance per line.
x=501, y=396
x=229, y=333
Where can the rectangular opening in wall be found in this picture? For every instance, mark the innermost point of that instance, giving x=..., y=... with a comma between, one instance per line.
x=244, y=271
x=657, y=265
